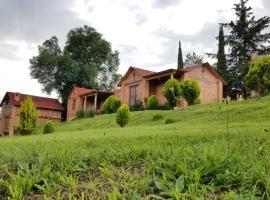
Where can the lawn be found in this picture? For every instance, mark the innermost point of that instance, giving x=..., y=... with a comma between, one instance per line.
x=192, y=158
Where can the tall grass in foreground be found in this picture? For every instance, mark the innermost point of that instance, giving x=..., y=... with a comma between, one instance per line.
x=148, y=159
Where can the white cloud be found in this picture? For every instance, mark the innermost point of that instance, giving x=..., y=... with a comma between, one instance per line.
x=145, y=32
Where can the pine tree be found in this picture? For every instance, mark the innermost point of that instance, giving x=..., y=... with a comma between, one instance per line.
x=180, y=63
x=221, y=58
x=247, y=35
x=28, y=117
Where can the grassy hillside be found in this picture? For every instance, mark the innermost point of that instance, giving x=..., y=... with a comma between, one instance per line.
x=193, y=158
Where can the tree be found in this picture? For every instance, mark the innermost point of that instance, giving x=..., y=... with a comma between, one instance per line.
x=28, y=117
x=190, y=91
x=193, y=59
x=171, y=91
x=87, y=60
x=221, y=58
x=258, y=76
x=180, y=63
x=246, y=36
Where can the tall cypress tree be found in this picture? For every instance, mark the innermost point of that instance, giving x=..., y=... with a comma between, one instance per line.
x=180, y=63
x=221, y=58
x=247, y=35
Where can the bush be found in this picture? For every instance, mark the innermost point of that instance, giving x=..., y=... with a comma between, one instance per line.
x=80, y=113
x=48, y=127
x=138, y=106
x=85, y=113
x=157, y=117
x=123, y=115
x=172, y=91
x=152, y=103
x=28, y=117
x=170, y=121
x=111, y=104
x=258, y=76
x=198, y=101
x=190, y=91
x=165, y=106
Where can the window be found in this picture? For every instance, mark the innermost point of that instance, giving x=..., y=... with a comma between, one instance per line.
x=74, y=104
x=133, y=94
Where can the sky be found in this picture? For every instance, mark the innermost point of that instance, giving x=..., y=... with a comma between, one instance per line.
x=145, y=32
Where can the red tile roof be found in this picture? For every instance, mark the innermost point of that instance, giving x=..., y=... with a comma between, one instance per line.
x=40, y=102
x=81, y=90
x=142, y=72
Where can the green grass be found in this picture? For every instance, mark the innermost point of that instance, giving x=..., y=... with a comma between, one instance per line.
x=188, y=159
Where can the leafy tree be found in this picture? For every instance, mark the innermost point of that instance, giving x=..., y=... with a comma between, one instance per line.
x=123, y=115
x=258, y=76
x=193, y=59
x=28, y=117
x=87, y=60
x=180, y=63
x=247, y=35
x=190, y=91
x=172, y=91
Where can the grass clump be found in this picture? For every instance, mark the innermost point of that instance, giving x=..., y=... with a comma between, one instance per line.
x=157, y=116
x=170, y=120
x=85, y=113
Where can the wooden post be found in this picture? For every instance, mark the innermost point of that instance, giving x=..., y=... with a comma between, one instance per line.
x=84, y=103
x=171, y=75
x=95, y=102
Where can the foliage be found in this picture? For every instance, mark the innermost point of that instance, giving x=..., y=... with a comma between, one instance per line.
x=111, y=104
x=138, y=106
x=48, y=127
x=170, y=121
x=95, y=159
x=180, y=63
x=28, y=117
x=152, y=102
x=198, y=101
x=172, y=91
x=190, y=90
x=87, y=60
x=193, y=59
x=247, y=35
x=221, y=57
x=157, y=116
x=89, y=113
x=165, y=106
x=123, y=115
x=258, y=76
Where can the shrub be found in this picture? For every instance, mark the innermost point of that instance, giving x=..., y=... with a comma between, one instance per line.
x=198, y=101
x=152, y=103
x=165, y=106
x=172, y=91
x=80, y=114
x=157, y=116
x=85, y=113
x=190, y=90
x=138, y=106
x=169, y=120
x=48, y=127
x=111, y=104
x=258, y=76
x=123, y=115
x=28, y=117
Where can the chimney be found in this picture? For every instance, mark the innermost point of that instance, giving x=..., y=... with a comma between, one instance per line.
x=17, y=96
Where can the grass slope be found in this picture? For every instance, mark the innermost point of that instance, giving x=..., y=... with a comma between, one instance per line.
x=188, y=159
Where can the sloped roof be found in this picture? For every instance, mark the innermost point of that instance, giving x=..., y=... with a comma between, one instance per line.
x=81, y=90
x=140, y=71
x=40, y=102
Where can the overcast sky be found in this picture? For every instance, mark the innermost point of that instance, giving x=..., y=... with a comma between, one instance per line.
x=145, y=32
